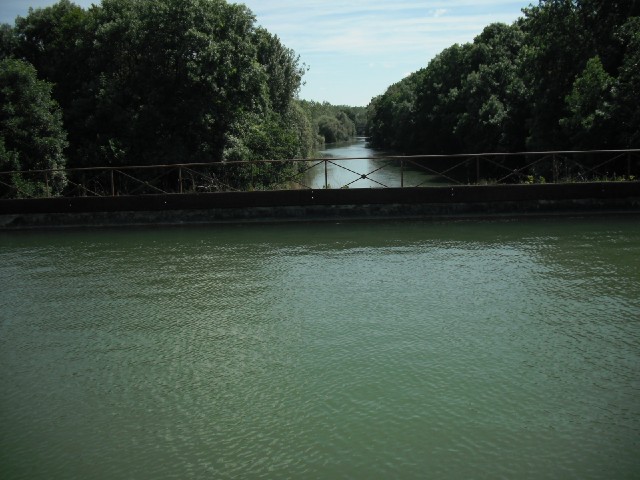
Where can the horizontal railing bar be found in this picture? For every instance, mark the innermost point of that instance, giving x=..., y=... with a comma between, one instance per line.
x=322, y=159
x=508, y=154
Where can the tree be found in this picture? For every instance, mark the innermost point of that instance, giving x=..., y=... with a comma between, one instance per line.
x=173, y=78
x=589, y=103
x=603, y=18
x=391, y=115
x=8, y=41
x=31, y=132
x=282, y=68
x=563, y=76
x=297, y=117
x=556, y=50
x=438, y=102
x=336, y=128
x=493, y=95
x=58, y=42
x=626, y=90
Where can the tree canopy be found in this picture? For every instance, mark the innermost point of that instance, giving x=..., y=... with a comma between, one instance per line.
x=31, y=133
x=564, y=76
x=161, y=81
x=142, y=82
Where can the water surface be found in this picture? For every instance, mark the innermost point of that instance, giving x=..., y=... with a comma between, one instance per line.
x=501, y=349
x=351, y=160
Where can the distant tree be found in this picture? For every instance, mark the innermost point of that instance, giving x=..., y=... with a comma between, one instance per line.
x=329, y=128
x=338, y=128
x=31, y=132
x=334, y=123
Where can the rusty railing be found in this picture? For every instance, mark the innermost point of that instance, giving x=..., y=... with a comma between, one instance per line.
x=358, y=172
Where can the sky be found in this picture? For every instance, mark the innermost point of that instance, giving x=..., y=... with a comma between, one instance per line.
x=356, y=49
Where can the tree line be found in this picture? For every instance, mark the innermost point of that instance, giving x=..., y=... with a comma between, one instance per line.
x=148, y=82
x=564, y=76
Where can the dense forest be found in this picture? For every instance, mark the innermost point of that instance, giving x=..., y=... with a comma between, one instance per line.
x=150, y=82
x=564, y=76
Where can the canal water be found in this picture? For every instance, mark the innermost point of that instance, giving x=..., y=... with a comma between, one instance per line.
x=351, y=160
x=502, y=349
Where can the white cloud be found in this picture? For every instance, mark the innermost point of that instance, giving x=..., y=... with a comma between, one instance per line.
x=384, y=39
x=375, y=25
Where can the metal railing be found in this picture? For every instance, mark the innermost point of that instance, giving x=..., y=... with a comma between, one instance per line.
x=370, y=172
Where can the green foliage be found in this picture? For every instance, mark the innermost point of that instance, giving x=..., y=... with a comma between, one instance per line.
x=31, y=132
x=469, y=98
x=334, y=123
x=257, y=138
x=391, y=123
x=165, y=81
x=57, y=41
x=282, y=68
x=564, y=76
x=8, y=41
x=626, y=89
x=337, y=128
x=589, y=105
x=556, y=50
x=173, y=78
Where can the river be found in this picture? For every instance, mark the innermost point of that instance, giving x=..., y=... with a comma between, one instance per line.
x=502, y=349
x=379, y=172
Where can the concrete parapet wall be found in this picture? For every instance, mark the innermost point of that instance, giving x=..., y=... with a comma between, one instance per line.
x=302, y=205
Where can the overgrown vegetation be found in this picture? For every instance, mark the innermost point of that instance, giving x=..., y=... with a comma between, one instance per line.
x=145, y=82
x=564, y=76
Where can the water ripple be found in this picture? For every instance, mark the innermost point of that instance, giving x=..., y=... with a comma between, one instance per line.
x=368, y=350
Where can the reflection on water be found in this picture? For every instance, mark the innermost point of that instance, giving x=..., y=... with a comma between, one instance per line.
x=378, y=172
x=382, y=350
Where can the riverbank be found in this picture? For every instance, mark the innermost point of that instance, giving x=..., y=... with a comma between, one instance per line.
x=321, y=205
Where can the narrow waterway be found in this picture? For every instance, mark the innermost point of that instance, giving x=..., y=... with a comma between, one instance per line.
x=378, y=172
x=504, y=349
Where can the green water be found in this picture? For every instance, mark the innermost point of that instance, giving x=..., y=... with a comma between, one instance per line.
x=506, y=349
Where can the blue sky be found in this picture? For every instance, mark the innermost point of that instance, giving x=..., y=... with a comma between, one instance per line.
x=355, y=49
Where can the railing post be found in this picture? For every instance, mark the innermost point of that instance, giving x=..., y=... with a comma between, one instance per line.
x=401, y=173
x=554, y=168
x=180, y=179
x=477, y=171
x=113, y=185
x=326, y=183
x=46, y=183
